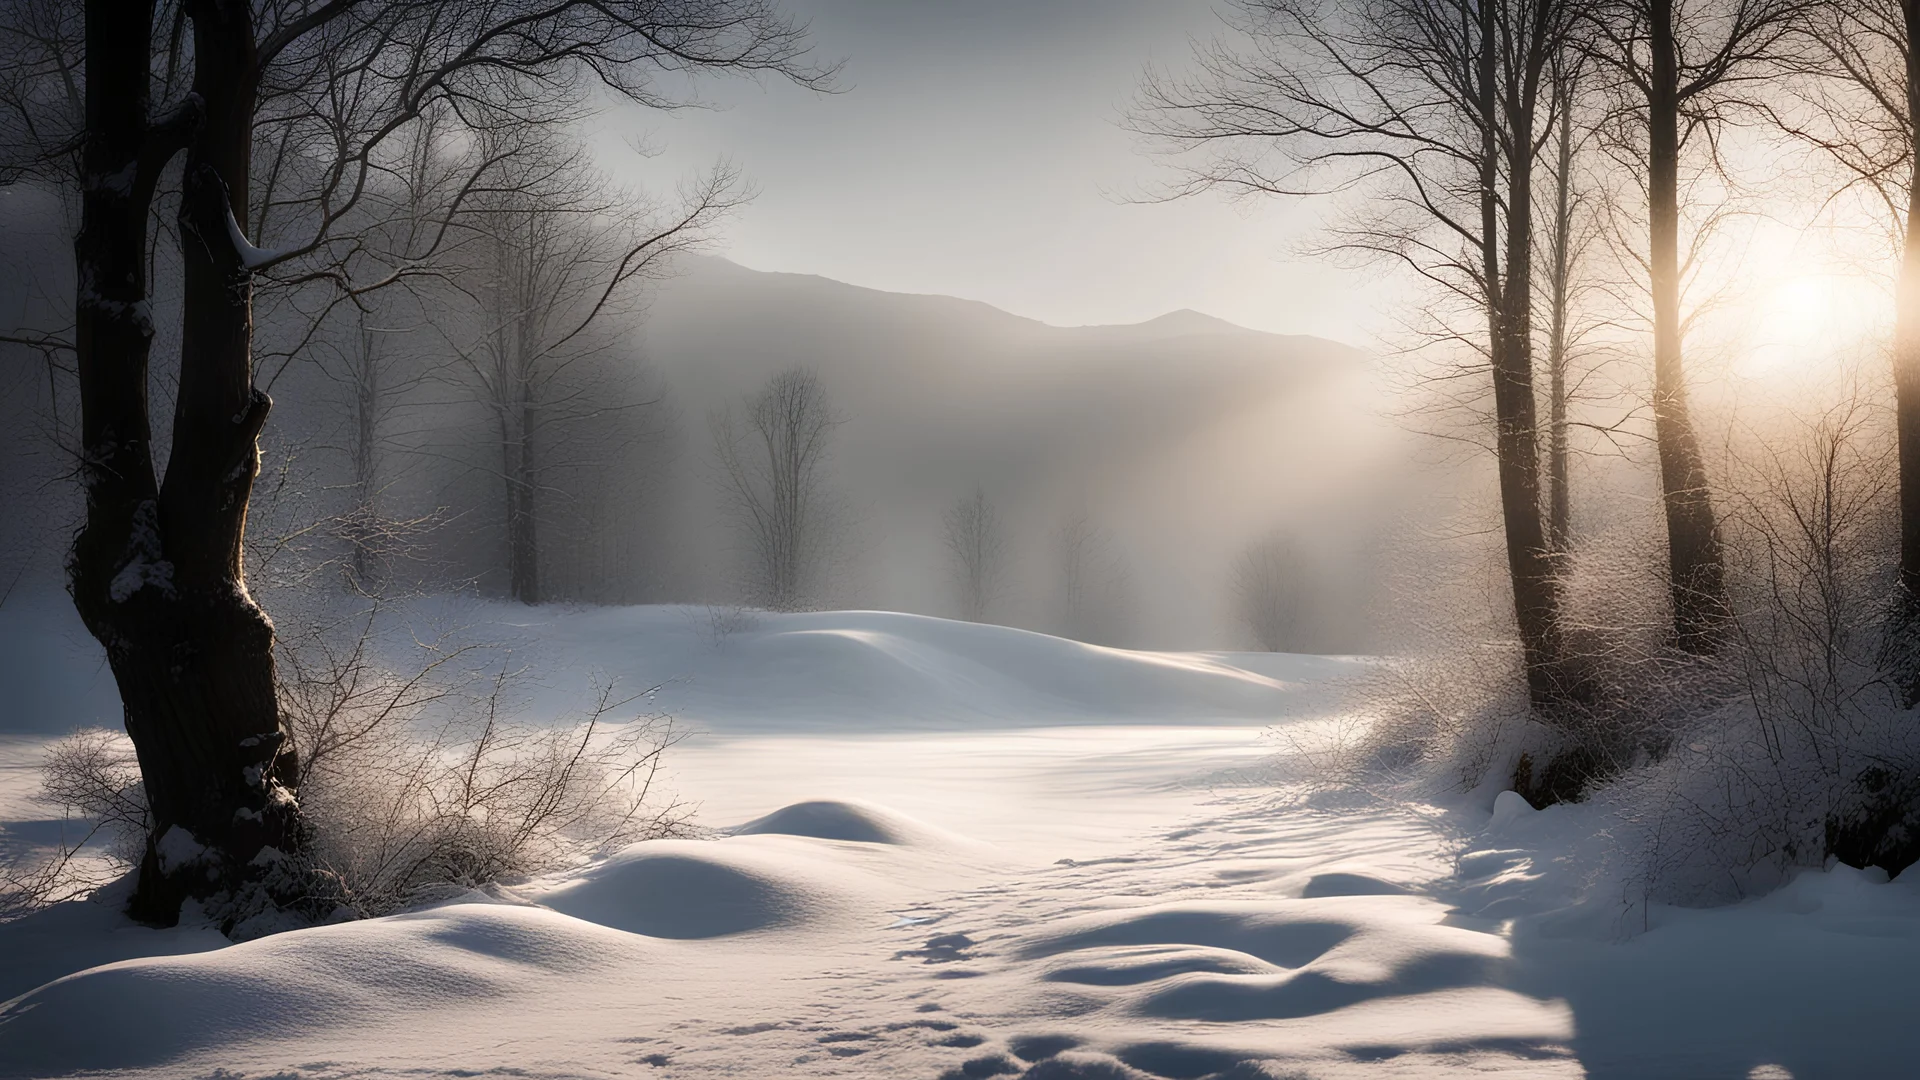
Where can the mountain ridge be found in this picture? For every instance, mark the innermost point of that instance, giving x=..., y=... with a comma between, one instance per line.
x=1180, y=322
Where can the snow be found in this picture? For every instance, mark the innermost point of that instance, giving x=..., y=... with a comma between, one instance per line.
x=947, y=851
x=177, y=849
x=144, y=564
x=251, y=257
x=875, y=671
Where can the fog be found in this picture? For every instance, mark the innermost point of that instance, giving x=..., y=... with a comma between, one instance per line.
x=1173, y=445
x=1183, y=438
x=1133, y=465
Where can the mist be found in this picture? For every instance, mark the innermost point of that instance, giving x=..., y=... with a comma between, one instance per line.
x=1178, y=443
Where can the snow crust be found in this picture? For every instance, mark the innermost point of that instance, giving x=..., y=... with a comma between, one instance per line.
x=951, y=851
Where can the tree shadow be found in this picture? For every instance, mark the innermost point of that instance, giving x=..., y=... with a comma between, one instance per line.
x=1733, y=994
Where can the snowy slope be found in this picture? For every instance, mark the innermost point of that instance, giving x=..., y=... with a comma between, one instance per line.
x=874, y=671
x=960, y=851
x=866, y=671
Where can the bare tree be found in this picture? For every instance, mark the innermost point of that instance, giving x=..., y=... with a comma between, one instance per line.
x=156, y=571
x=1093, y=583
x=979, y=551
x=772, y=475
x=1686, y=65
x=1270, y=593
x=1579, y=294
x=1562, y=258
x=558, y=253
x=366, y=373
x=407, y=212
x=1434, y=112
x=1865, y=107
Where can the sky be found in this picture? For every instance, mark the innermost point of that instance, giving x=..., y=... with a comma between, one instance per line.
x=976, y=151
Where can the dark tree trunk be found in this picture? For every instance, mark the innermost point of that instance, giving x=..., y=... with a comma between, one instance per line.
x=1536, y=595
x=523, y=538
x=1906, y=355
x=1903, y=639
x=1695, y=564
x=363, y=530
x=156, y=569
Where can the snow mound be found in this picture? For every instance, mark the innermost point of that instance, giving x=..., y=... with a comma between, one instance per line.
x=830, y=819
x=1343, y=883
x=1251, y=961
x=1276, y=938
x=1254, y=988
x=809, y=671
x=86, y=933
x=145, y=1013
x=695, y=889
x=805, y=866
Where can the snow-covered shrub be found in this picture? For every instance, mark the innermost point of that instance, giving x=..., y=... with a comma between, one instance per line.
x=405, y=817
x=93, y=774
x=1450, y=711
x=93, y=777
x=416, y=785
x=1812, y=751
x=1422, y=723
x=725, y=620
x=1717, y=775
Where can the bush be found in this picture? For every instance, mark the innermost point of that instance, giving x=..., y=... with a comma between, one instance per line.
x=1715, y=777
x=402, y=818
x=404, y=808
x=93, y=777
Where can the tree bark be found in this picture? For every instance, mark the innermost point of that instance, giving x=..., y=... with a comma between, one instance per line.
x=156, y=570
x=362, y=558
x=1697, y=576
x=1906, y=353
x=1536, y=594
x=1559, y=497
x=523, y=539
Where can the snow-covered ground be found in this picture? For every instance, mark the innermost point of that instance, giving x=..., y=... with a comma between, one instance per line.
x=965, y=851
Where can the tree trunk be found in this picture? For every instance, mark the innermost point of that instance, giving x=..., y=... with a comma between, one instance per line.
x=1696, y=570
x=1536, y=600
x=1559, y=498
x=1906, y=353
x=523, y=541
x=366, y=414
x=156, y=572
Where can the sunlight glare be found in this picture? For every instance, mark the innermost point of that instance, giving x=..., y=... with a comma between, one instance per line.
x=1801, y=322
x=1801, y=311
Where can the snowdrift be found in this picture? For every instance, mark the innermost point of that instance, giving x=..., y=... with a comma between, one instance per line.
x=857, y=671
x=874, y=671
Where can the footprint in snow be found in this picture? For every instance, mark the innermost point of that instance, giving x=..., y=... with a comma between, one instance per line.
x=985, y=1065
x=941, y=949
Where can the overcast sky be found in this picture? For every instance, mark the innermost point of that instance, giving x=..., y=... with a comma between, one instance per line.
x=976, y=152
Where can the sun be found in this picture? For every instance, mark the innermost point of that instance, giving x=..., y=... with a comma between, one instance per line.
x=1802, y=311
x=1801, y=323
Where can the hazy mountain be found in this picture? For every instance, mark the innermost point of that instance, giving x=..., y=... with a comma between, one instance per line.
x=1182, y=436
x=1179, y=439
